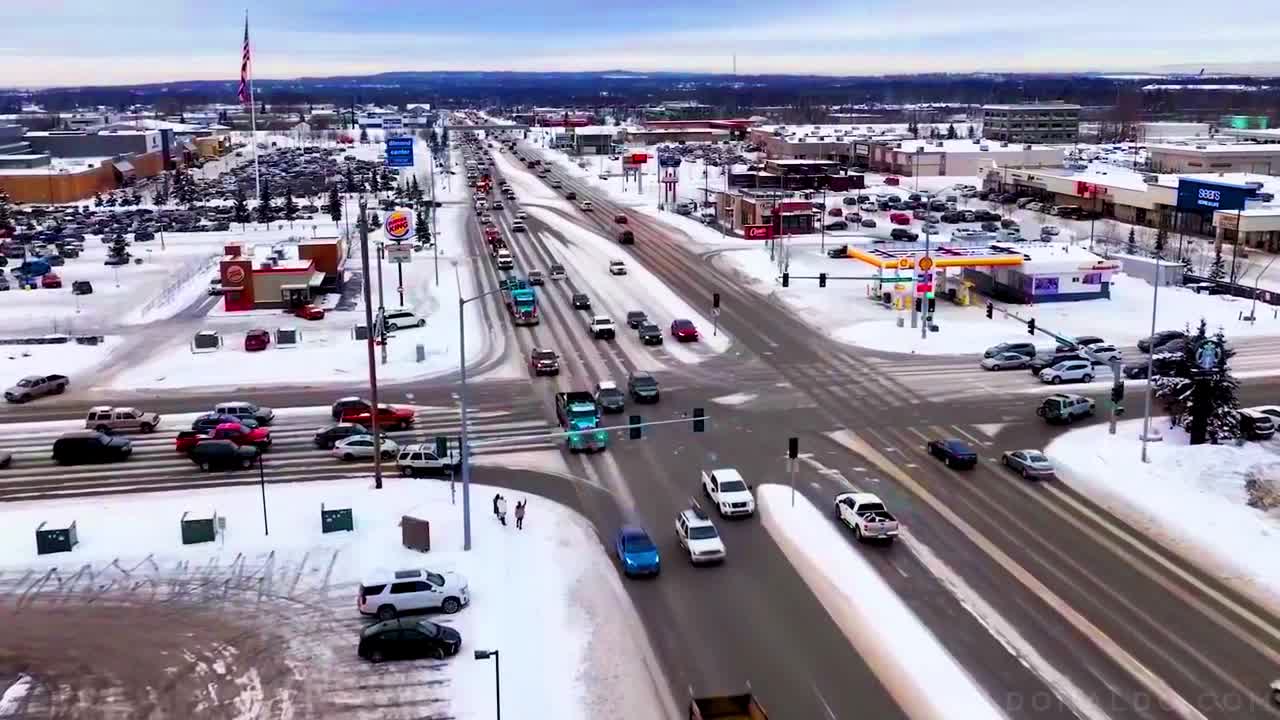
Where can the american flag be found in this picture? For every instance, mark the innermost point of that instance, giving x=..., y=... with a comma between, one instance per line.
x=244, y=66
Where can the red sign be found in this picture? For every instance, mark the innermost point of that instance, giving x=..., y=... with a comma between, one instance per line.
x=793, y=206
x=1084, y=189
x=757, y=232
x=637, y=158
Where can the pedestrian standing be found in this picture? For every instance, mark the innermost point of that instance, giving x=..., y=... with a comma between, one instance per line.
x=496, y=498
x=520, y=514
x=502, y=510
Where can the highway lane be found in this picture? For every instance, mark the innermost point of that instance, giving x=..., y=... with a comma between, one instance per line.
x=1213, y=659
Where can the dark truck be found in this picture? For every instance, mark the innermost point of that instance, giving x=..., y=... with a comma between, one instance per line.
x=579, y=415
x=34, y=386
x=727, y=707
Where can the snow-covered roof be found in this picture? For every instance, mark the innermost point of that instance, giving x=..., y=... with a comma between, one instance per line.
x=1032, y=106
x=1217, y=148
x=963, y=145
x=1056, y=257
x=58, y=165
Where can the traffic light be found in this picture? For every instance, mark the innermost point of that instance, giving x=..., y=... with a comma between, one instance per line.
x=793, y=448
x=715, y=300
x=933, y=303
x=991, y=310
x=822, y=279
x=1117, y=392
x=786, y=279
x=699, y=425
x=635, y=429
x=1031, y=326
x=442, y=446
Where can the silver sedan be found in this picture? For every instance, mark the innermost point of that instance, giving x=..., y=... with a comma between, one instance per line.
x=1028, y=463
x=1006, y=361
x=361, y=447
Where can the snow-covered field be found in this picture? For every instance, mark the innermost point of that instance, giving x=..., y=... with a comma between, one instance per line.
x=1191, y=497
x=547, y=597
x=920, y=674
x=70, y=359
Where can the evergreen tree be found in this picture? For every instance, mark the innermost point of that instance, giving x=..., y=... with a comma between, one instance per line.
x=1162, y=236
x=240, y=209
x=266, y=211
x=374, y=221
x=349, y=180
x=1218, y=269
x=290, y=207
x=364, y=136
x=162, y=193
x=1176, y=387
x=951, y=132
x=1132, y=247
x=444, y=137
x=421, y=227
x=375, y=181
x=971, y=133
x=335, y=205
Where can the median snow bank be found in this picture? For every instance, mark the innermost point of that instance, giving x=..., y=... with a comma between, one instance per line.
x=922, y=676
x=1194, y=498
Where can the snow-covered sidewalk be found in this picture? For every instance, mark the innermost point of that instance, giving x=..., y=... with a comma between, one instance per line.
x=921, y=675
x=547, y=597
x=1193, y=498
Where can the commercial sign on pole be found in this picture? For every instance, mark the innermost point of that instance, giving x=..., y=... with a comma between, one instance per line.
x=398, y=225
x=393, y=122
x=1205, y=196
x=400, y=152
x=757, y=232
x=399, y=252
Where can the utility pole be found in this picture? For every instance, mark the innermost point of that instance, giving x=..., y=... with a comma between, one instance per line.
x=362, y=225
x=823, y=219
x=1146, y=420
x=1117, y=387
x=435, y=242
x=382, y=310
x=924, y=326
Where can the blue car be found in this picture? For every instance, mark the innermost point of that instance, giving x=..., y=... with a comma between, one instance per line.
x=953, y=453
x=636, y=552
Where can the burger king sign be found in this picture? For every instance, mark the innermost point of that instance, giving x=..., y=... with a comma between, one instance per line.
x=398, y=225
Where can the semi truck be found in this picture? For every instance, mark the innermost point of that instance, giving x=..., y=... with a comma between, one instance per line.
x=727, y=707
x=580, y=417
x=521, y=301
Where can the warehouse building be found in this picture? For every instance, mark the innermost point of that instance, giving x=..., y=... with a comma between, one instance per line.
x=1035, y=123
x=927, y=158
x=1214, y=157
x=42, y=179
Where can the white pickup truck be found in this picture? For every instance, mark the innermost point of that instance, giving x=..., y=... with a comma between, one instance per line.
x=866, y=516
x=728, y=491
x=602, y=327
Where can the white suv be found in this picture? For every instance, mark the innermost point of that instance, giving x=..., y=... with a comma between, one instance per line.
x=698, y=536
x=400, y=318
x=387, y=595
x=1068, y=371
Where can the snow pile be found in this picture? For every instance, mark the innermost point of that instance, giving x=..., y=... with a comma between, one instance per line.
x=1194, y=498
x=546, y=596
x=922, y=677
x=14, y=699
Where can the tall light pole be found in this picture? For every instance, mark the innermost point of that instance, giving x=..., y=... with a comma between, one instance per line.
x=1146, y=419
x=497, y=677
x=363, y=226
x=463, y=451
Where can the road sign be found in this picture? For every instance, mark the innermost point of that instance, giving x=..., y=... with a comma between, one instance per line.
x=399, y=253
x=904, y=263
x=925, y=264
x=398, y=225
x=400, y=152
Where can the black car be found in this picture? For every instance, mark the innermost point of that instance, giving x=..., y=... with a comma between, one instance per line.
x=222, y=455
x=1025, y=349
x=636, y=318
x=1048, y=360
x=581, y=301
x=144, y=235
x=408, y=640
x=850, y=200
x=5, y=459
x=953, y=453
x=207, y=422
x=329, y=435
x=90, y=446
x=626, y=237
x=611, y=399
x=1082, y=341
x=1163, y=337
x=642, y=387
x=837, y=225
x=650, y=334
x=839, y=251
x=903, y=234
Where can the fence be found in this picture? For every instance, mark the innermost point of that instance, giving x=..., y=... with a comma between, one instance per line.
x=1222, y=287
x=192, y=269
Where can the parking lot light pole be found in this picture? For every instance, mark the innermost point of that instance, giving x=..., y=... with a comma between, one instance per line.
x=1151, y=356
x=463, y=454
x=497, y=677
x=373, y=365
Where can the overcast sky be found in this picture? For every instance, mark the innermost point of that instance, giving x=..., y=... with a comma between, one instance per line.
x=82, y=42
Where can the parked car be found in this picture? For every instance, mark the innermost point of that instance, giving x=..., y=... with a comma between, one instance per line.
x=1068, y=371
x=211, y=454
x=953, y=453
x=78, y=287
x=36, y=386
x=837, y=225
x=637, y=552
x=903, y=234
x=329, y=435
x=1256, y=425
x=839, y=251
x=387, y=595
x=868, y=222
x=51, y=281
x=1027, y=463
x=361, y=447
x=684, y=330
x=309, y=312
x=90, y=446
x=256, y=340
x=1065, y=408
x=401, y=318
x=408, y=640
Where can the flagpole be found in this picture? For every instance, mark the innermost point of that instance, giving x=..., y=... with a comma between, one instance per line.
x=253, y=118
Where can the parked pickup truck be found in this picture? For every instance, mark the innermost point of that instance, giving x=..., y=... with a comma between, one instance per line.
x=107, y=420
x=727, y=707
x=726, y=489
x=601, y=327
x=866, y=516
x=34, y=386
x=579, y=415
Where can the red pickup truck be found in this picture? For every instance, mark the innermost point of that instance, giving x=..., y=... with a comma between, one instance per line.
x=259, y=437
x=390, y=417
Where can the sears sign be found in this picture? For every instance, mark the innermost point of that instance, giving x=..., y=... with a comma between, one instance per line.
x=1203, y=196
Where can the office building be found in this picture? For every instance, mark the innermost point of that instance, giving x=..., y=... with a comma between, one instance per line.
x=1031, y=123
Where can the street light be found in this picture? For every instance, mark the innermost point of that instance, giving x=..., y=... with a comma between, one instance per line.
x=463, y=454
x=1146, y=419
x=497, y=676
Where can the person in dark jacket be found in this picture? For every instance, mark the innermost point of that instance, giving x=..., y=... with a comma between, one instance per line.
x=520, y=514
x=496, y=498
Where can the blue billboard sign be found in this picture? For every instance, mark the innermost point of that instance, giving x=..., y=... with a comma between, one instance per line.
x=400, y=152
x=1205, y=196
